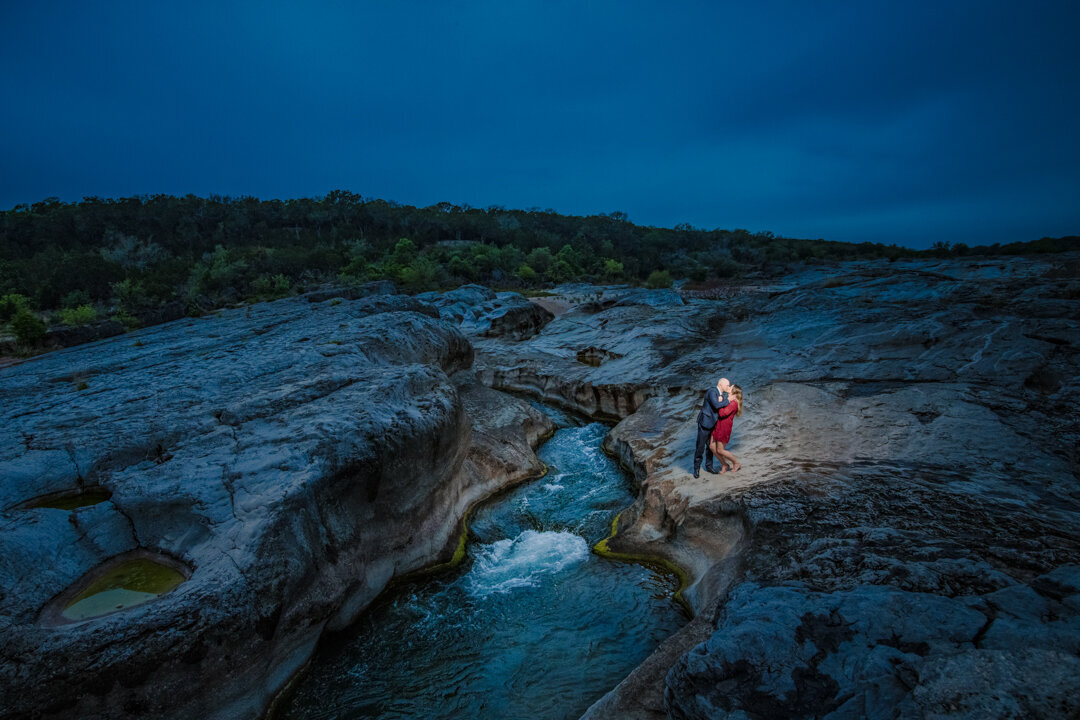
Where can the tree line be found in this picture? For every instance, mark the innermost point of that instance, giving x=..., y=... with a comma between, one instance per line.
x=73, y=262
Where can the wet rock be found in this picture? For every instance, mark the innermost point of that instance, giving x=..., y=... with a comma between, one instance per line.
x=294, y=457
x=909, y=427
x=595, y=356
x=481, y=312
x=872, y=651
x=351, y=292
x=166, y=313
x=66, y=336
x=652, y=298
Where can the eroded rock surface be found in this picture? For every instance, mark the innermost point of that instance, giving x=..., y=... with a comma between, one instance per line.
x=910, y=437
x=293, y=457
x=874, y=651
x=485, y=313
x=903, y=539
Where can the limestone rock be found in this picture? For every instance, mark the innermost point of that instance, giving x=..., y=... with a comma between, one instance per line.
x=293, y=457
x=872, y=651
x=909, y=427
x=65, y=336
x=481, y=312
x=352, y=292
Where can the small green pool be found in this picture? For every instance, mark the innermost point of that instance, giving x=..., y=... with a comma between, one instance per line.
x=132, y=582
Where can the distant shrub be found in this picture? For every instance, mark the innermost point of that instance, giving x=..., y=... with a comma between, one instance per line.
x=659, y=279
x=129, y=294
x=419, y=274
x=218, y=270
x=724, y=267
x=562, y=271
x=80, y=315
x=29, y=329
x=540, y=259
x=271, y=287
x=462, y=267
x=130, y=252
x=11, y=304
x=526, y=273
x=75, y=298
x=127, y=320
x=613, y=269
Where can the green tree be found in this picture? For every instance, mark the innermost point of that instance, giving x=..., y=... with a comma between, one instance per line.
x=659, y=279
x=527, y=274
x=82, y=315
x=271, y=288
x=561, y=271
x=129, y=294
x=613, y=269
x=404, y=252
x=568, y=254
x=11, y=304
x=461, y=267
x=724, y=266
x=218, y=270
x=419, y=275
x=29, y=329
x=540, y=259
x=76, y=298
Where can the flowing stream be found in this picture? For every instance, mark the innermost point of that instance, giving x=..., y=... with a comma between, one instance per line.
x=531, y=625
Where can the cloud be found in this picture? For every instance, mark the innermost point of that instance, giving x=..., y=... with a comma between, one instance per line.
x=847, y=121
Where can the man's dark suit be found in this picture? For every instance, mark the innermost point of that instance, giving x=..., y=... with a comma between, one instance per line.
x=706, y=422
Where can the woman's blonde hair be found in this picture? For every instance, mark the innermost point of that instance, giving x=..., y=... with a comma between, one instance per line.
x=736, y=392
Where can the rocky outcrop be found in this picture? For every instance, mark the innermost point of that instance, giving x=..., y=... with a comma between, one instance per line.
x=69, y=335
x=909, y=448
x=902, y=537
x=351, y=292
x=877, y=651
x=481, y=312
x=290, y=458
x=607, y=353
x=66, y=336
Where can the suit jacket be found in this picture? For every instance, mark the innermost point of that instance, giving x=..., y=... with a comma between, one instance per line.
x=709, y=409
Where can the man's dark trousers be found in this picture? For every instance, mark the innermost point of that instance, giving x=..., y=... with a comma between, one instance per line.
x=703, y=445
x=714, y=400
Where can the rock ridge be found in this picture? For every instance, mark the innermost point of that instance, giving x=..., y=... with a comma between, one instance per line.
x=295, y=456
x=910, y=458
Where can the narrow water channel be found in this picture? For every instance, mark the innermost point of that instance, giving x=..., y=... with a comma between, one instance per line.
x=531, y=625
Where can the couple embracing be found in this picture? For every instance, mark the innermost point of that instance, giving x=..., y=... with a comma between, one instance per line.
x=722, y=405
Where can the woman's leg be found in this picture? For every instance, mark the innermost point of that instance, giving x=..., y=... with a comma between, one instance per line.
x=724, y=454
x=718, y=451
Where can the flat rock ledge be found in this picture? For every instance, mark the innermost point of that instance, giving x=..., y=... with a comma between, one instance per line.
x=292, y=457
x=904, y=537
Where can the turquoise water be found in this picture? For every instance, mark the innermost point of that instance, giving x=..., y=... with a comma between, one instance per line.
x=532, y=625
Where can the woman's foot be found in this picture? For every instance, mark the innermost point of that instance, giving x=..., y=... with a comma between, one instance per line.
x=736, y=467
x=723, y=469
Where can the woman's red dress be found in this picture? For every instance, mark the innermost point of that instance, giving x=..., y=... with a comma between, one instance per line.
x=722, y=430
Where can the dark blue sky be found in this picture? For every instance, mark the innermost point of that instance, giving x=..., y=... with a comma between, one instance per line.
x=893, y=122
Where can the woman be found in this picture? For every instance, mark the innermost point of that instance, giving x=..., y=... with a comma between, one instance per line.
x=721, y=434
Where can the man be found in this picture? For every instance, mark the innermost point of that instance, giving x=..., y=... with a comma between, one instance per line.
x=715, y=398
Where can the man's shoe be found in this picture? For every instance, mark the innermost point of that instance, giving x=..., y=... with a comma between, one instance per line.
x=696, y=473
x=711, y=469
